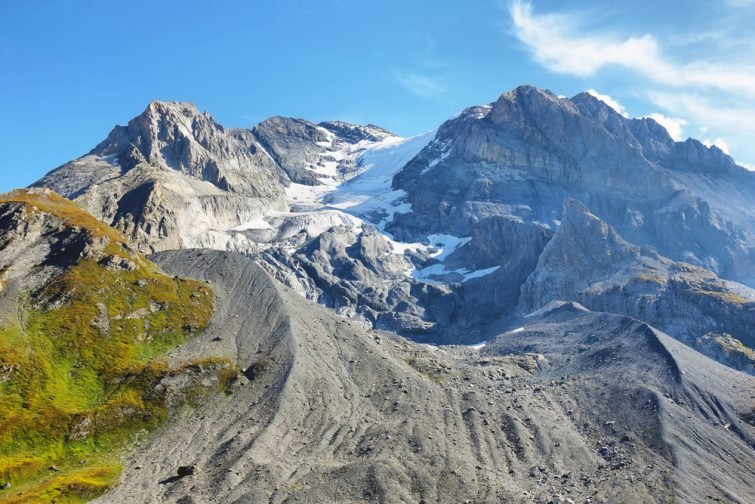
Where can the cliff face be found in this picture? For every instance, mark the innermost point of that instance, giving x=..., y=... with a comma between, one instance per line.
x=524, y=154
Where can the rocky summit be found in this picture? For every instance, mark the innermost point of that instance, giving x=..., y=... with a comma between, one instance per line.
x=541, y=300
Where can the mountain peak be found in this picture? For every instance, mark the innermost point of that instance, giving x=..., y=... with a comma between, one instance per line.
x=164, y=105
x=529, y=94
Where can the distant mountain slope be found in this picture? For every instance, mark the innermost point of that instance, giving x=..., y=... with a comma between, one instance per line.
x=522, y=155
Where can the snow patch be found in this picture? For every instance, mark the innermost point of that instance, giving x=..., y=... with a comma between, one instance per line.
x=446, y=244
x=430, y=273
x=479, y=273
x=256, y=223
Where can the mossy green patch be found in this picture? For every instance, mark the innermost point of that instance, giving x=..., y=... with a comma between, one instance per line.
x=725, y=296
x=427, y=368
x=652, y=278
x=731, y=344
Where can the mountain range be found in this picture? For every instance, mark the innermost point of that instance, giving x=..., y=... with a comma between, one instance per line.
x=539, y=301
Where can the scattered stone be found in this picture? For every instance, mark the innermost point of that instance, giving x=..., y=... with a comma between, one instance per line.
x=186, y=470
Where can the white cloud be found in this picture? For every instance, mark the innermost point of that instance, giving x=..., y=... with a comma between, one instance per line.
x=749, y=166
x=718, y=142
x=556, y=43
x=421, y=85
x=614, y=104
x=674, y=125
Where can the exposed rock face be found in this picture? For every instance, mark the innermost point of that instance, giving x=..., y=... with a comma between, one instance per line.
x=521, y=156
x=176, y=136
x=36, y=245
x=295, y=144
x=300, y=146
x=728, y=350
x=587, y=261
x=356, y=272
x=173, y=177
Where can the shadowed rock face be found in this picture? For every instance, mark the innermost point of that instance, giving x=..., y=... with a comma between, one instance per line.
x=521, y=156
x=577, y=404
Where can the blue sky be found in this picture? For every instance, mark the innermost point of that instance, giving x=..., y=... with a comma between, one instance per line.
x=72, y=69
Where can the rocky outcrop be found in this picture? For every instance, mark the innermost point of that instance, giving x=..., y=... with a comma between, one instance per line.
x=588, y=262
x=37, y=243
x=356, y=272
x=726, y=349
x=176, y=136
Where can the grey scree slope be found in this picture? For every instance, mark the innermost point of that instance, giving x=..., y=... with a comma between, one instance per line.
x=591, y=406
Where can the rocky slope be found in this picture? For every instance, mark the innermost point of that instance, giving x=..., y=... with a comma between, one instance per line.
x=328, y=411
x=83, y=321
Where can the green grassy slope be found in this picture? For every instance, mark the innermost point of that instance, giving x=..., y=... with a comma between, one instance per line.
x=79, y=371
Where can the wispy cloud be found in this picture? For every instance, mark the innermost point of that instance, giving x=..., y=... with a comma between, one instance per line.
x=674, y=125
x=425, y=86
x=716, y=94
x=611, y=102
x=718, y=142
x=557, y=42
x=708, y=111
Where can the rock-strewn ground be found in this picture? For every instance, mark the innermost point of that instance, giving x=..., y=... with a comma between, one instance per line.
x=576, y=405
